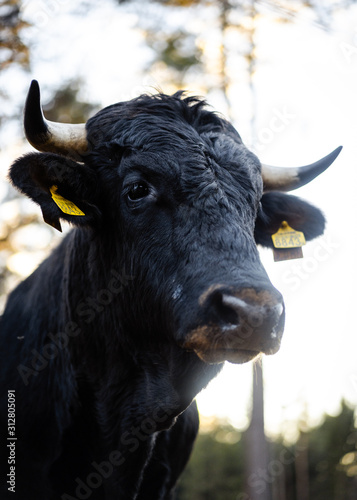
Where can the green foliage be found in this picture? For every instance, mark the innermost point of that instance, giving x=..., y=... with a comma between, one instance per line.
x=176, y=50
x=216, y=470
x=328, y=445
x=66, y=107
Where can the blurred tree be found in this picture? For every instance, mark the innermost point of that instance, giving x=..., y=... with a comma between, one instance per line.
x=176, y=51
x=255, y=442
x=333, y=457
x=235, y=17
x=66, y=106
x=216, y=468
x=13, y=50
x=211, y=45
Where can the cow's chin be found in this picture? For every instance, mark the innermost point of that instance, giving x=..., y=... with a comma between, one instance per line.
x=237, y=356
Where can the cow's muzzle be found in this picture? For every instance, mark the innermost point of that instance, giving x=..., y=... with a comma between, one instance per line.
x=236, y=326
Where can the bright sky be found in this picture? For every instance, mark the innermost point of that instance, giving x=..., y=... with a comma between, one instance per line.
x=307, y=77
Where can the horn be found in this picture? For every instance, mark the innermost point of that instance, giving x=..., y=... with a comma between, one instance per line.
x=63, y=138
x=287, y=179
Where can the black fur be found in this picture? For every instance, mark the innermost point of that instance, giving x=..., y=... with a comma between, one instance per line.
x=92, y=340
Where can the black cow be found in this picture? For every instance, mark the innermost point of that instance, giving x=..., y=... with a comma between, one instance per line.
x=109, y=341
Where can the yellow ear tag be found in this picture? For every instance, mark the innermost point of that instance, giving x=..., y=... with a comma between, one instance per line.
x=287, y=237
x=66, y=206
x=287, y=243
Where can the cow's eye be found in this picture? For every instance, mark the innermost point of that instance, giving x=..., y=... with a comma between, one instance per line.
x=138, y=191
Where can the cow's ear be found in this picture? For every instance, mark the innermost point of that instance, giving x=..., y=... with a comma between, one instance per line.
x=277, y=207
x=63, y=188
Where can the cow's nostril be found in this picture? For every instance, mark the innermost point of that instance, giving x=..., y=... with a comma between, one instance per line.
x=257, y=316
x=225, y=312
x=266, y=316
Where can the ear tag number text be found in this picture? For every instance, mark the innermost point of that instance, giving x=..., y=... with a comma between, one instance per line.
x=287, y=237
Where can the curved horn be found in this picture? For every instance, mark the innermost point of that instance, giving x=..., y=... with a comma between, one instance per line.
x=287, y=179
x=47, y=136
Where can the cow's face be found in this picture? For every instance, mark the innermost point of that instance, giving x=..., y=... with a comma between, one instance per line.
x=186, y=210
x=182, y=198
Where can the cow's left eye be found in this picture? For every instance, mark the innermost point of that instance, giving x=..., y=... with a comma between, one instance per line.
x=138, y=191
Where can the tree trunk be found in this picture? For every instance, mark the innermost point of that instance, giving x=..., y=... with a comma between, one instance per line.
x=258, y=475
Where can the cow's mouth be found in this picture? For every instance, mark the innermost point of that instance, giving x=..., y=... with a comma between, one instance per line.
x=237, y=356
x=212, y=347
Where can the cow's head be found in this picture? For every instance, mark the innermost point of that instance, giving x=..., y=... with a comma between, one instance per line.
x=184, y=203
